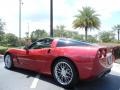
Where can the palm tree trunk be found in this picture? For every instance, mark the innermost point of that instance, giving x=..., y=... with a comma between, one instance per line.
x=86, y=33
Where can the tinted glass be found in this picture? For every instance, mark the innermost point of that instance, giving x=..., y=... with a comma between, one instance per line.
x=70, y=42
x=44, y=43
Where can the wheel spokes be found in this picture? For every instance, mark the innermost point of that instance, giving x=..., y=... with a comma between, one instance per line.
x=8, y=61
x=63, y=73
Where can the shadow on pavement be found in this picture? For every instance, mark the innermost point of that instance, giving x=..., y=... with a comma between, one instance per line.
x=109, y=82
x=28, y=73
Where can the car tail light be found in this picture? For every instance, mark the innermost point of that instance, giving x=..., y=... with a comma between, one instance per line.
x=104, y=52
x=101, y=53
x=111, y=50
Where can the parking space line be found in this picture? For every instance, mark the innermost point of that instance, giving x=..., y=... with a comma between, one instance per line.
x=35, y=81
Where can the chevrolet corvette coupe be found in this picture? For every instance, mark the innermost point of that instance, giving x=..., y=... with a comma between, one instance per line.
x=67, y=60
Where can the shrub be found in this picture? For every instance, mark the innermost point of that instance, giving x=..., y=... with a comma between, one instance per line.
x=3, y=49
x=116, y=52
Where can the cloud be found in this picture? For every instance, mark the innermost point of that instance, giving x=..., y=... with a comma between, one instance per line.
x=36, y=13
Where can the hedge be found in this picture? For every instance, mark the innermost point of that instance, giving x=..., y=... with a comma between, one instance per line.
x=3, y=49
x=116, y=52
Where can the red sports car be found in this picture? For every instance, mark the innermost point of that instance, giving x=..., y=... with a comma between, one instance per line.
x=67, y=60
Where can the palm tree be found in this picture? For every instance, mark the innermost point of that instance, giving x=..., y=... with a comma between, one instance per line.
x=117, y=27
x=87, y=19
x=60, y=30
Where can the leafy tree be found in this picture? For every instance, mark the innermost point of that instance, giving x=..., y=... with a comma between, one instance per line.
x=1, y=37
x=1, y=30
x=107, y=36
x=117, y=27
x=59, y=31
x=1, y=25
x=87, y=19
x=74, y=35
x=38, y=34
x=79, y=37
x=10, y=39
x=92, y=39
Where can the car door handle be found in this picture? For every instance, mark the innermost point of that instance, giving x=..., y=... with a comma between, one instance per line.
x=49, y=50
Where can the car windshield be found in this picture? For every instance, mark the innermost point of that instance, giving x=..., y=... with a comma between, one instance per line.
x=72, y=42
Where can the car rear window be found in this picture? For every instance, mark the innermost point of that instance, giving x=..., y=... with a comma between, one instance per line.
x=71, y=42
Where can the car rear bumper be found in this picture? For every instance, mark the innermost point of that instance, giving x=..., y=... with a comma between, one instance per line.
x=104, y=73
x=92, y=70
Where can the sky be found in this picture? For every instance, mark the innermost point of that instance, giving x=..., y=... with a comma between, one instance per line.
x=35, y=14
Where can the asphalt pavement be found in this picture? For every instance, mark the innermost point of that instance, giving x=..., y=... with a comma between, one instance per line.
x=20, y=79
x=1, y=58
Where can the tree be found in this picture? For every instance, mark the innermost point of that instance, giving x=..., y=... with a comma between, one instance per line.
x=92, y=39
x=2, y=24
x=1, y=36
x=59, y=31
x=38, y=34
x=87, y=19
x=117, y=27
x=79, y=37
x=10, y=39
x=107, y=36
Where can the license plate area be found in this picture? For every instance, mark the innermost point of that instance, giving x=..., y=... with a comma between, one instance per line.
x=109, y=58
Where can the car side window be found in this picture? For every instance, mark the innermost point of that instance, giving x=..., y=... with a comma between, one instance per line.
x=45, y=43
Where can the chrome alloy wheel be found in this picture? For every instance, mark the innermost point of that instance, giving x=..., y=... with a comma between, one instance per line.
x=8, y=62
x=63, y=73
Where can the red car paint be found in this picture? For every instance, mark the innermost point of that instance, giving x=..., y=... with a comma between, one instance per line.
x=85, y=58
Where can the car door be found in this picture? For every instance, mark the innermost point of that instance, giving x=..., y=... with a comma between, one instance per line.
x=35, y=57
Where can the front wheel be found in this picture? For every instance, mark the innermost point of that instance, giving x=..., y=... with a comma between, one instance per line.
x=8, y=61
x=65, y=73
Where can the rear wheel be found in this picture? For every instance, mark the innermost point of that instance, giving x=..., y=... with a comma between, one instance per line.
x=8, y=61
x=65, y=73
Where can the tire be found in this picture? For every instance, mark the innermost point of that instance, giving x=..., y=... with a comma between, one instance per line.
x=8, y=61
x=65, y=73
x=106, y=73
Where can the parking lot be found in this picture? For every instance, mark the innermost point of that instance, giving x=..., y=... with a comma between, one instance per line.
x=19, y=79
